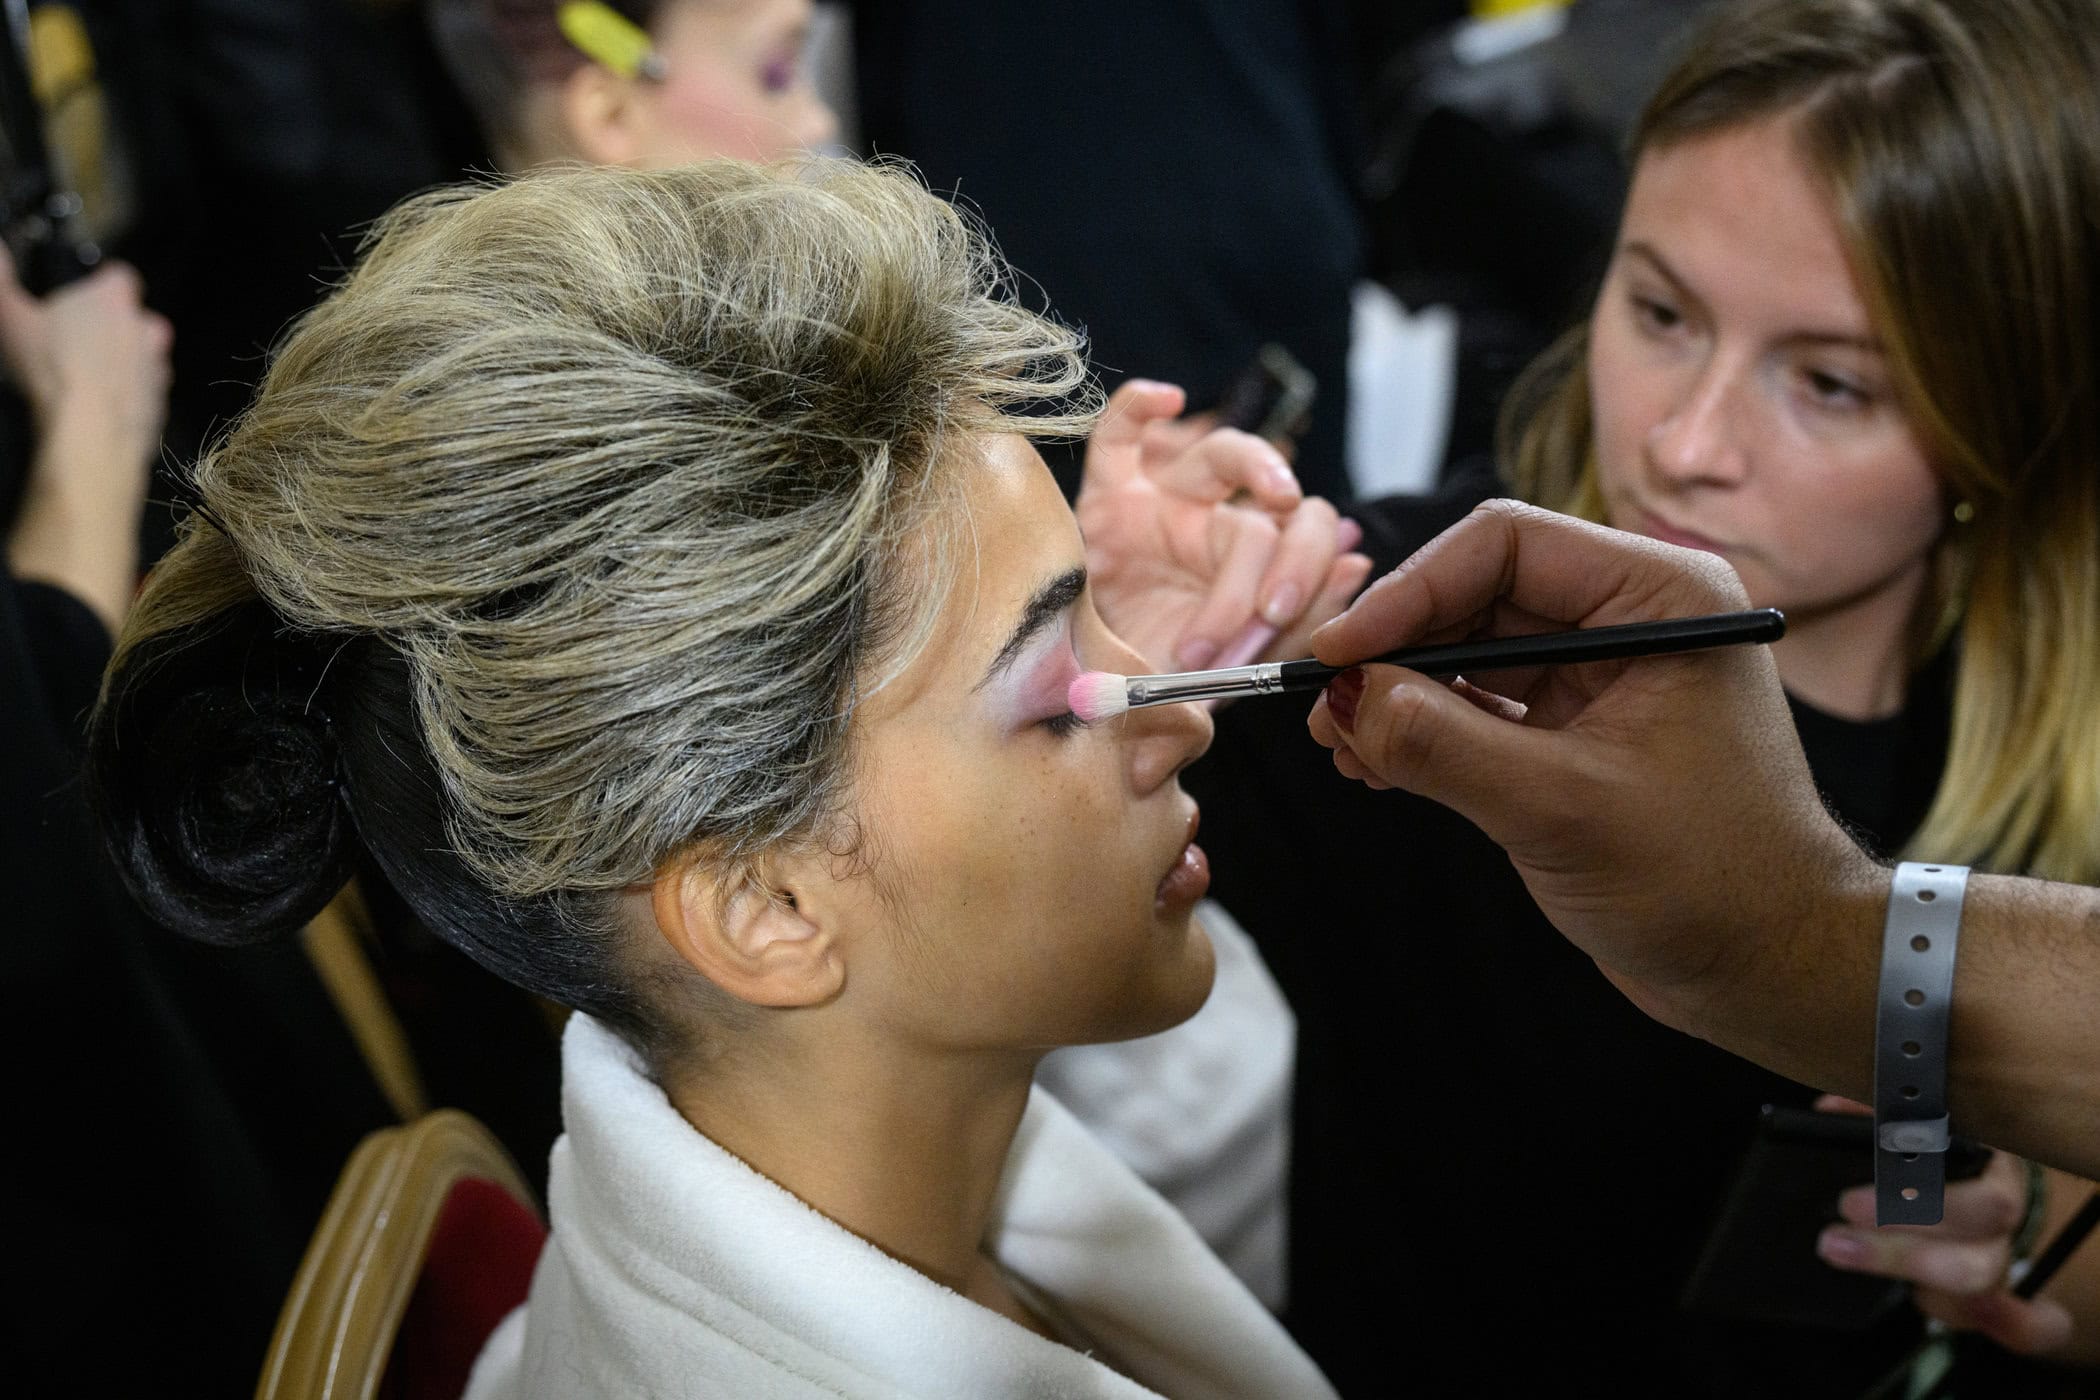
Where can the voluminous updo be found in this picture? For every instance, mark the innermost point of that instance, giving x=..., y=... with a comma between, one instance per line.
x=562, y=537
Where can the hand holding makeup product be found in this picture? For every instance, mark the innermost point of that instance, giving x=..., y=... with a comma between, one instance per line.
x=1099, y=695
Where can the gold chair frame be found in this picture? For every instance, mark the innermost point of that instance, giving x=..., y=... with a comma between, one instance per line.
x=336, y=1331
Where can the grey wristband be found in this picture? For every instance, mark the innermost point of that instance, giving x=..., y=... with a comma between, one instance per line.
x=1910, y=1042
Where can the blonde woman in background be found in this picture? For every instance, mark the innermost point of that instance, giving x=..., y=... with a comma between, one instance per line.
x=1847, y=342
x=1877, y=401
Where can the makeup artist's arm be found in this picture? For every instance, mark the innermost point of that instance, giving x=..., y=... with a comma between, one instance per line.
x=1201, y=549
x=93, y=363
x=1661, y=813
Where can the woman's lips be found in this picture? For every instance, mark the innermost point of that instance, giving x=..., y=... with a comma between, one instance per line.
x=1656, y=528
x=1188, y=879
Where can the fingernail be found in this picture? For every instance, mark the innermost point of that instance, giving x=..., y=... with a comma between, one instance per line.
x=1283, y=604
x=1195, y=653
x=1342, y=694
x=1252, y=641
x=1840, y=1247
x=1347, y=534
x=1281, y=477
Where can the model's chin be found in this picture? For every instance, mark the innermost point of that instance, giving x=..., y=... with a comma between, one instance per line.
x=1184, y=984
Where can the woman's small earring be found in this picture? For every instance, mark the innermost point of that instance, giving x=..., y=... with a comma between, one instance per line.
x=1964, y=512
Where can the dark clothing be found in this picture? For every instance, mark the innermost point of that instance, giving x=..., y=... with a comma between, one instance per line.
x=1174, y=177
x=1499, y=1164
x=263, y=137
x=177, y=1114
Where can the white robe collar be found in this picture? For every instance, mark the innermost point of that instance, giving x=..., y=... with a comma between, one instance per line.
x=675, y=1270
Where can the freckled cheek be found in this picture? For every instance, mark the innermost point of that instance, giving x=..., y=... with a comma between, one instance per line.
x=969, y=830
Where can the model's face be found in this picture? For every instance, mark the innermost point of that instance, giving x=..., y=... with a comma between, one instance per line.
x=1742, y=400
x=1035, y=875
x=735, y=83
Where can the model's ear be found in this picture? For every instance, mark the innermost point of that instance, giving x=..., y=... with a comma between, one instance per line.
x=756, y=940
x=603, y=115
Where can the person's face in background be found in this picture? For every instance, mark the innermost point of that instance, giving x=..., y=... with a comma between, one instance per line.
x=735, y=84
x=1742, y=401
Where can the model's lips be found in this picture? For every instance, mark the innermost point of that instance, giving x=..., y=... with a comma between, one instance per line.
x=1657, y=528
x=1188, y=878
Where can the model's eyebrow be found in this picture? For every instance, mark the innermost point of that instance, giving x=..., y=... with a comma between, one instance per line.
x=1049, y=603
x=1646, y=252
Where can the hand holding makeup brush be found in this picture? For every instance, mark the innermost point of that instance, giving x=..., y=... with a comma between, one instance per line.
x=1200, y=546
x=1658, y=808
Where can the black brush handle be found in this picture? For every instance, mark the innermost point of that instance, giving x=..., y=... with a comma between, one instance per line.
x=1560, y=648
x=2059, y=1249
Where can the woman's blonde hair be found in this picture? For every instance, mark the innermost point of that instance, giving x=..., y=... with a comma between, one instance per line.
x=1960, y=144
x=630, y=485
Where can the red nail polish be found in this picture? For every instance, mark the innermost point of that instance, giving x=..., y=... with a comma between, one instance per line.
x=1342, y=694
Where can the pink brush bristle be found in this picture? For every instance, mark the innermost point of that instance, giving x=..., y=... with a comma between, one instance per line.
x=1097, y=695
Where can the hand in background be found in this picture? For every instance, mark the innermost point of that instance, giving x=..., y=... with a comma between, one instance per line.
x=93, y=363
x=1201, y=548
x=1960, y=1266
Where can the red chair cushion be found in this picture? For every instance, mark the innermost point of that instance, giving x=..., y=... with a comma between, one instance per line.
x=477, y=1268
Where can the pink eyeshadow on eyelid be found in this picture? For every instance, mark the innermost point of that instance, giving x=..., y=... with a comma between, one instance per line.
x=1052, y=673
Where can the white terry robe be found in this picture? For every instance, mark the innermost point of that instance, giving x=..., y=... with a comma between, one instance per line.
x=674, y=1270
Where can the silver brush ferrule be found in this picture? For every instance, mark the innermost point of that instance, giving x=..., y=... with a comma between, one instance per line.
x=1179, y=686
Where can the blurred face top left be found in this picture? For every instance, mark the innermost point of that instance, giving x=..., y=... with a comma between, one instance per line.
x=736, y=82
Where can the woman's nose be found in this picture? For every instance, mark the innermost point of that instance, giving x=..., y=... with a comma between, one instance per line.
x=1164, y=740
x=1160, y=740
x=1703, y=438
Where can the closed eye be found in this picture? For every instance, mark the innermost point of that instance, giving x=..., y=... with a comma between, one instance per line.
x=1064, y=724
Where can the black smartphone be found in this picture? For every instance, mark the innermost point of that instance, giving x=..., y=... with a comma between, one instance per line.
x=1759, y=1263
x=1271, y=398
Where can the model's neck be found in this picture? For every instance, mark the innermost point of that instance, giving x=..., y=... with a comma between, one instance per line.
x=1852, y=661
x=905, y=1151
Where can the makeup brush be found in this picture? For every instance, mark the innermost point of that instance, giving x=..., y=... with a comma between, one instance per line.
x=1099, y=695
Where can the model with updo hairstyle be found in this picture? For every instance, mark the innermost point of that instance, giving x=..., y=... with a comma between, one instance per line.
x=598, y=557
x=651, y=574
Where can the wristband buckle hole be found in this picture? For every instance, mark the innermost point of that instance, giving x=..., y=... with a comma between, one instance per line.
x=1910, y=1156
x=1910, y=1091
x=1911, y=1047
x=1910, y=1193
x=1914, y=997
x=1927, y=896
x=1920, y=944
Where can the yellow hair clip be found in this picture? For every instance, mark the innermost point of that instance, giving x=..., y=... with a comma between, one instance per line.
x=605, y=36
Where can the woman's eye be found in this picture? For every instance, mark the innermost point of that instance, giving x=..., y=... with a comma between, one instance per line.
x=1066, y=723
x=1656, y=315
x=1830, y=391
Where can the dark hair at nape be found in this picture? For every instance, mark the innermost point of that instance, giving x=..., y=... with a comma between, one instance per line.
x=236, y=767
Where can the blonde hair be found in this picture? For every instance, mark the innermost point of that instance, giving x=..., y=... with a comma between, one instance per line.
x=638, y=480
x=1960, y=142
